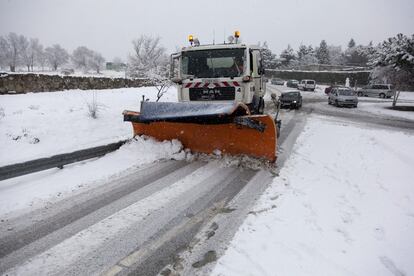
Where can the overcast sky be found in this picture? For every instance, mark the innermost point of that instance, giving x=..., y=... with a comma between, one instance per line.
x=109, y=26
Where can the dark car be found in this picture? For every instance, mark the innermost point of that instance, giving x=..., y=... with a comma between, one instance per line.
x=329, y=89
x=292, y=83
x=291, y=99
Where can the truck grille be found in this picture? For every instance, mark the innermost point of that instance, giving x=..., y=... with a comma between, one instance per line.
x=212, y=94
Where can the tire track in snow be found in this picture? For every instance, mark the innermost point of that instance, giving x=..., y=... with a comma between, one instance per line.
x=92, y=238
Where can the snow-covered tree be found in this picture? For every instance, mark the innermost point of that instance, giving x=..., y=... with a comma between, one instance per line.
x=322, y=53
x=96, y=62
x=10, y=51
x=394, y=60
x=35, y=50
x=56, y=56
x=336, y=56
x=356, y=55
x=302, y=51
x=85, y=59
x=41, y=58
x=287, y=55
x=29, y=49
x=351, y=43
x=24, y=51
x=149, y=60
x=80, y=58
x=269, y=59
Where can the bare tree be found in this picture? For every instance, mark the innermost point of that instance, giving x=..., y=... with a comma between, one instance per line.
x=24, y=51
x=9, y=51
x=56, y=56
x=41, y=58
x=149, y=60
x=35, y=50
x=96, y=61
x=85, y=59
x=80, y=57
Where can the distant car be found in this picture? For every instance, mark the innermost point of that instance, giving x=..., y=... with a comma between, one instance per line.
x=292, y=83
x=67, y=71
x=291, y=99
x=329, y=89
x=306, y=85
x=277, y=81
x=343, y=96
x=377, y=90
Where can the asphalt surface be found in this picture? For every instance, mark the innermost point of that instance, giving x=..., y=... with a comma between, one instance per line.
x=170, y=216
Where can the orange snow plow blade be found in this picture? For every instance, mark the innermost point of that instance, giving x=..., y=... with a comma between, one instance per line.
x=205, y=128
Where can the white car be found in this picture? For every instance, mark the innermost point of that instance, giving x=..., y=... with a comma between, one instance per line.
x=306, y=85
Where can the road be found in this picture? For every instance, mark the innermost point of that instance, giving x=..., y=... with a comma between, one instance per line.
x=170, y=216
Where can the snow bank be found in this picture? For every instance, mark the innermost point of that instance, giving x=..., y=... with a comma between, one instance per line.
x=39, y=125
x=342, y=205
x=38, y=189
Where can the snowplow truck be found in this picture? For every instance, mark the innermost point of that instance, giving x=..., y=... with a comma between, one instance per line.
x=220, y=102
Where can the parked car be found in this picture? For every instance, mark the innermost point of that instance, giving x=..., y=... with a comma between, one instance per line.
x=377, y=90
x=277, y=81
x=292, y=83
x=67, y=71
x=343, y=96
x=291, y=99
x=329, y=89
x=306, y=85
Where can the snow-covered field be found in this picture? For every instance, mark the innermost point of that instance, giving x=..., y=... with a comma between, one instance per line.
x=38, y=125
x=343, y=204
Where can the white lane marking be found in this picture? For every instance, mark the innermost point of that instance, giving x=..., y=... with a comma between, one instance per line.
x=90, y=239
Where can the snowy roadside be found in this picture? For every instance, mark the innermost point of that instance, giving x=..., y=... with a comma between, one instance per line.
x=25, y=193
x=37, y=125
x=342, y=205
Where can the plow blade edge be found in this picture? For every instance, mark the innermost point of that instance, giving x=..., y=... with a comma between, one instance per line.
x=253, y=135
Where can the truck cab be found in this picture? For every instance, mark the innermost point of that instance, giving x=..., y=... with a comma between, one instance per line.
x=230, y=72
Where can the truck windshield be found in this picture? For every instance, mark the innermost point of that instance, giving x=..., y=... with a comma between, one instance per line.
x=213, y=63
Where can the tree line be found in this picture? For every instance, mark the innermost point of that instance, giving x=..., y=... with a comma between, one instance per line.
x=391, y=61
x=19, y=51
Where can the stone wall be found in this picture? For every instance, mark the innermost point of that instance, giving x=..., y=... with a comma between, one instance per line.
x=23, y=83
x=322, y=77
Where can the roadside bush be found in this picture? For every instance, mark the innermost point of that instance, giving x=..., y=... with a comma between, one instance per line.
x=94, y=107
x=2, y=114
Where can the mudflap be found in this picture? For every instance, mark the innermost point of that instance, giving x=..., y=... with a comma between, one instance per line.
x=253, y=135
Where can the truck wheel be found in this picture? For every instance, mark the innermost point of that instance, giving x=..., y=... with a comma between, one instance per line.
x=382, y=96
x=360, y=94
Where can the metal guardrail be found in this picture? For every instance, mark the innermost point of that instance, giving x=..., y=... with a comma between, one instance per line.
x=56, y=161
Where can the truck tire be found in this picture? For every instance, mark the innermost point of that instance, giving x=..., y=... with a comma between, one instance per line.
x=360, y=94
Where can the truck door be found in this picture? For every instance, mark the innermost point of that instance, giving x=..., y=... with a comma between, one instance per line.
x=257, y=71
